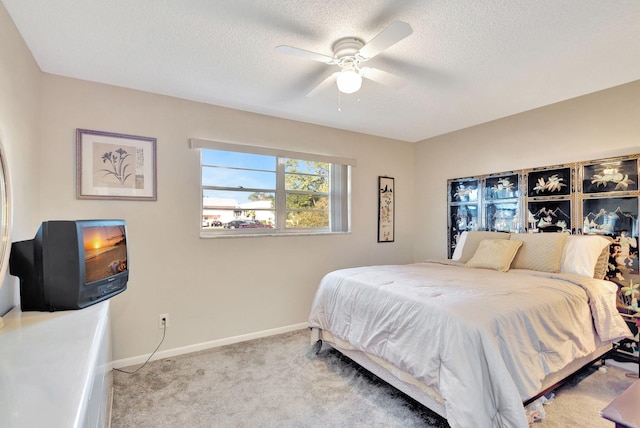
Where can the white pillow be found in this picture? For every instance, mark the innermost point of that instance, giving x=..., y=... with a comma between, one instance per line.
x=457, y=252
x=581, y=253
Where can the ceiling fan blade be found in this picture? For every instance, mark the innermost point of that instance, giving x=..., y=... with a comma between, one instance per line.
x=324, y=84
x=290, y=50
x=391, y=35
x=383, y=77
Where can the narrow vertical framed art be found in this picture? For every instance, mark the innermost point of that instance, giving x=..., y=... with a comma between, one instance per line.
x=115, y=166
x=386, y=209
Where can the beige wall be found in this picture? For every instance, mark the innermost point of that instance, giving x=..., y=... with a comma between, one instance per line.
x=598, y=125
x=220, y=288
x=19, y=118
x=212, y=288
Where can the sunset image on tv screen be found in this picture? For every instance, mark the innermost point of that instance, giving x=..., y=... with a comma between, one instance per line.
x=105, y=251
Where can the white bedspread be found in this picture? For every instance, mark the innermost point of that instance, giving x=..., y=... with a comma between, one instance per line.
x=483, y=339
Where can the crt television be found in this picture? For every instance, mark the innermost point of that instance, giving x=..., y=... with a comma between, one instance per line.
x=71, y=264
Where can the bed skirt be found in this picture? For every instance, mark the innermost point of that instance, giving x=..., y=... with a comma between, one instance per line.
x=425, y=395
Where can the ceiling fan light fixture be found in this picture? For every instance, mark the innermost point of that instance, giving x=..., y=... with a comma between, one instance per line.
x=349, y=81
x=349, y=53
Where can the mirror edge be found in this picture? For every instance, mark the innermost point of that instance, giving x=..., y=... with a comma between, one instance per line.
x=6, y=212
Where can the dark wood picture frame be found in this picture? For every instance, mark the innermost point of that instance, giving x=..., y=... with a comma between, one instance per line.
x=386, y=209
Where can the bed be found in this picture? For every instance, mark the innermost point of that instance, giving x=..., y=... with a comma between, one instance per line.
x=476, y=337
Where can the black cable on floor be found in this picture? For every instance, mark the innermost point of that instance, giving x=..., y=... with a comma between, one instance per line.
x=164, y=333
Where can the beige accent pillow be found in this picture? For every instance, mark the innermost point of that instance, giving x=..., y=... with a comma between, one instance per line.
x=583, y=253
x=469, y=243
x=602, y=264
x=496, y=254
x=540, y=251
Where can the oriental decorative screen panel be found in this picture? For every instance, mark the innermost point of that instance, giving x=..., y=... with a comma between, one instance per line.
x=597, y=197
x=550, y=199
x=464, y=212
x=501, y=202
x=609, y=206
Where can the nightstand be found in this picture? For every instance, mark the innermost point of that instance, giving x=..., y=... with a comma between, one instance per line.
x=624, y=410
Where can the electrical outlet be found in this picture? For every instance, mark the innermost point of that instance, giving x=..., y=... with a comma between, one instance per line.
x=163, y=320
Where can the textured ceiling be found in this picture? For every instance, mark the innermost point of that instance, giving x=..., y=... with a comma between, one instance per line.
x=467, y=62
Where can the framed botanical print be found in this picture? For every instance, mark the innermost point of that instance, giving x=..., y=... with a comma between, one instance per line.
x=115, y=166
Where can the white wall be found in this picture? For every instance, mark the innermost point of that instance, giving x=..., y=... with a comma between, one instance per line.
x=212, y=288
x=593, y=126
x=19, y=118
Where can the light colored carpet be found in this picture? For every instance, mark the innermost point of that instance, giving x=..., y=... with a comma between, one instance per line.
x=277, y=382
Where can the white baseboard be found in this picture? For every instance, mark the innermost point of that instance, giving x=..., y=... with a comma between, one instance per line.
x=126, y=362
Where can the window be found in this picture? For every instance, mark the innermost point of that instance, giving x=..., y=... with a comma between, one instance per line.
x=255, y=190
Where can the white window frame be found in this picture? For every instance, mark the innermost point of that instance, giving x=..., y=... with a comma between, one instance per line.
x=339, y=196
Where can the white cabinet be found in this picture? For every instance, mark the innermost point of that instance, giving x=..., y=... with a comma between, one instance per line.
x=55, y=368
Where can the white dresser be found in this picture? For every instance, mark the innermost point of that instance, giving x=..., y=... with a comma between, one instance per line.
x=55, y=368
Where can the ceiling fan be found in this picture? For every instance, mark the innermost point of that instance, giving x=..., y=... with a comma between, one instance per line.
x=349, y=53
